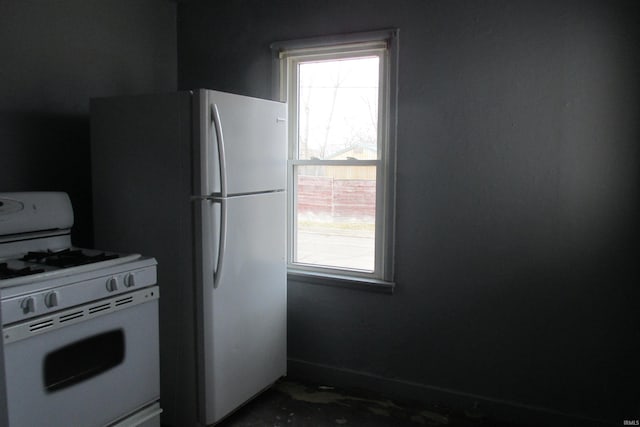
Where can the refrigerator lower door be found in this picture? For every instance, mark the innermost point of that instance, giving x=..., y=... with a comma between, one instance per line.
x=242, y=344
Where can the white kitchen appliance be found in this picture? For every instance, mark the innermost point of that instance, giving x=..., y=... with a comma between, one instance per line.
x=198, y=180
x=79, y=326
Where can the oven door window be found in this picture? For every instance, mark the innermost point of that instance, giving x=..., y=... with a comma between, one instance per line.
x=83, y=359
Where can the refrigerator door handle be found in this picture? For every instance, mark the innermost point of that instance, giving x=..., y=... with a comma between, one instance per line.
x=217, y=125
x=222, y=240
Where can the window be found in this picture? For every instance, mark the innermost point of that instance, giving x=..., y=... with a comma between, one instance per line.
x=341, y=100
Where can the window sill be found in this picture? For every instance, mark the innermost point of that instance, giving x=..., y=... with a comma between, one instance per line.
x=340, y=281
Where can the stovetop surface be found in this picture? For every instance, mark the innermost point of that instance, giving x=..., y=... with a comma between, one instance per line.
x=39, y=265
x=67, y=257
x=16, y=268
x=35, y=262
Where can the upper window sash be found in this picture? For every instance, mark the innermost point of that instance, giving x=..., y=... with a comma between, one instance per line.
x=290, y=72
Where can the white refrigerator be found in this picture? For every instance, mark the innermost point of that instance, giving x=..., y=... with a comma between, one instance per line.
x=197, y=179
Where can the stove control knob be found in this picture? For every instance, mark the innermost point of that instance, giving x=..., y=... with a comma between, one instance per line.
x=129, y=280
x=112, y=284
x=51, y=299
x=28, y=305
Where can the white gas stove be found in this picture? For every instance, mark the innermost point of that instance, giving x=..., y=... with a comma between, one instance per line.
x=77, y=324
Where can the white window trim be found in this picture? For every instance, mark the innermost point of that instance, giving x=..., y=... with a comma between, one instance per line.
x=385, y=44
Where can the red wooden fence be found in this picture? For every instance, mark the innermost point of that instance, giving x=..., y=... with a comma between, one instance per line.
x=339, y=198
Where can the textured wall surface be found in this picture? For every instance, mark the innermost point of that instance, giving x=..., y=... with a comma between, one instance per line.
x=517, y=195
x=54, y=56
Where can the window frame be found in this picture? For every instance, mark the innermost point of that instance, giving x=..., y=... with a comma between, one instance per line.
x=287, y=56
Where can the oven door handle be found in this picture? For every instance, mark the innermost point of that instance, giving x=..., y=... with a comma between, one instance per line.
x=222, y=239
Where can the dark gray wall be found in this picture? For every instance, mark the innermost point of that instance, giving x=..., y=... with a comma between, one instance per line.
x=517, y=196
x=54, y=56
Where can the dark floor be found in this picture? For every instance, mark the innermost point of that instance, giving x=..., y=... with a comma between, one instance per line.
x=294, y=403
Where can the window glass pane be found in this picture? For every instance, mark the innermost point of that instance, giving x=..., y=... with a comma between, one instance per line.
x=338, y=109
x=335, y=216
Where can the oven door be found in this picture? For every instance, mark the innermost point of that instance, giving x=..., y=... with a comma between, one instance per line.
x=88, y=373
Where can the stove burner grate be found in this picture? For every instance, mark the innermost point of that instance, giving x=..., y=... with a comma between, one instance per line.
x=66, y=258
x=8, y=273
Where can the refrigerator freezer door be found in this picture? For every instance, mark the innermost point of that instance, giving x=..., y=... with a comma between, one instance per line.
x=242, y=347
x=254, y=132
